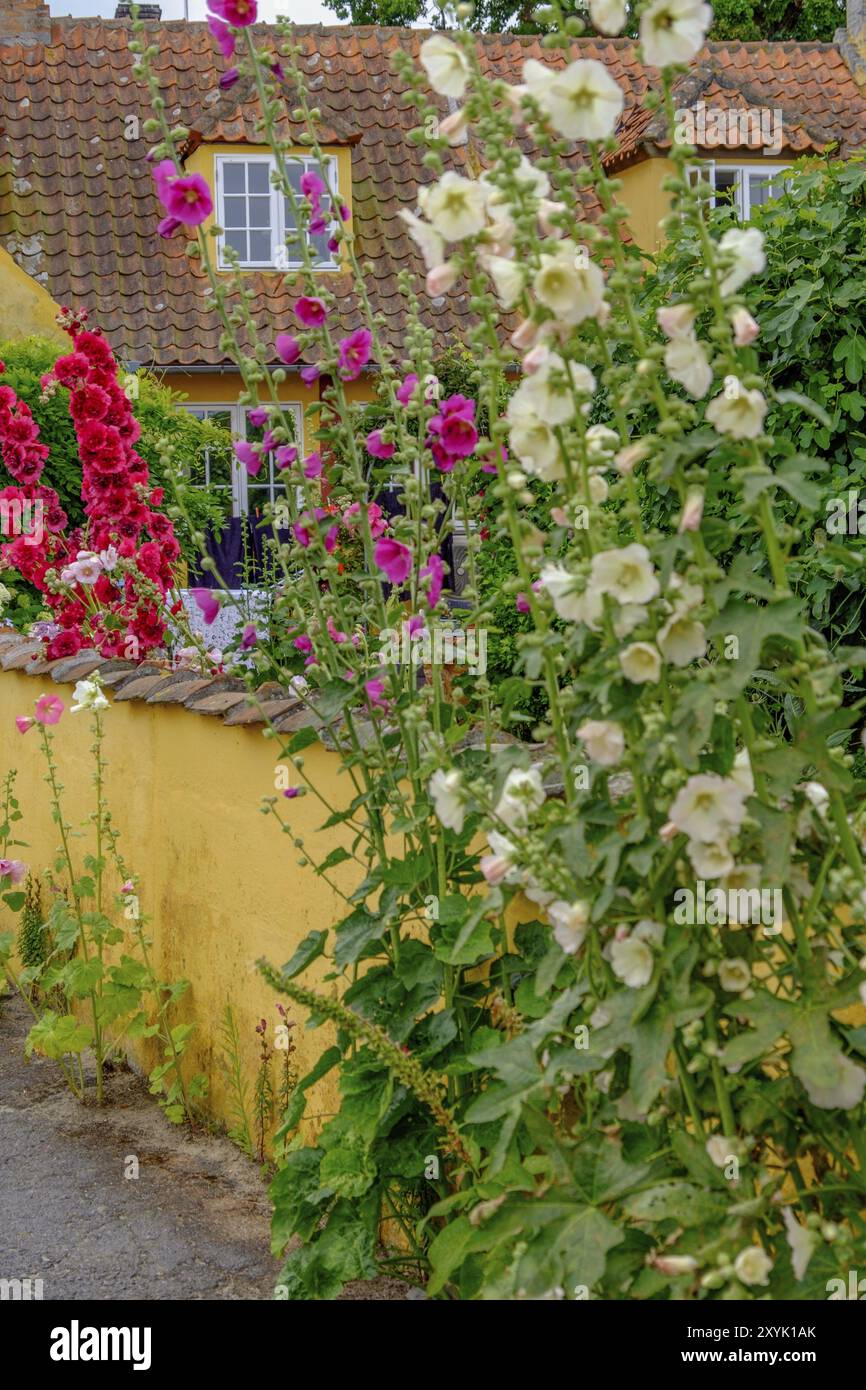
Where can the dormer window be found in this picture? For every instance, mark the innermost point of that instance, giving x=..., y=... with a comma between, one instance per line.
x=256, y=217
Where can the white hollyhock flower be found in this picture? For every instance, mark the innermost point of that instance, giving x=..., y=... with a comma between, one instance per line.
x=571, y=605
x=746, y=246
x=818, y=796
x=708, y=805
x=746, y=330
x=710, y=860
x=847, y=1090
x=741, y=772
x=601, y=442
x=686, y=363
x=570, y=922
x=735, y=974
x=627, y=618
x=108, y=558
x=454, y=127
x=521, y=794
x=673, y=31
x=598, y=488
x=454, y=205
x=527, y=174
x=446, y=66
x=675, y=320
x=87, y=695
x=693, y=511
x=429, y=242
x=742, y=878
x=626, y=574
x=640, y=663
x=628, y=458
x=648, y=930
x=753, y=1265
x=547, y=393
x=801, y=1240
x=508, y=278
x=505, y=853
x=532, y=440
x=445, y=788
x=604, y=741
x=721, y=1150
x=682, y=640
x=569, y=284
x=608, y=16
x=632, y=962
x=86, y=569
x=675, y=1264
x=582, y=101
x=739, y=414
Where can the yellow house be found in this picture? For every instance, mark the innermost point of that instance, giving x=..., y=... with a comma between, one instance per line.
x=79, y=212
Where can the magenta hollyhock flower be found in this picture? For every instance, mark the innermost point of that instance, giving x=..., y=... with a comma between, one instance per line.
x=313, y=465
x=394, y=559
x=188, y=198
x=249, y=456
x=344, y=212
x=49, y=709
x=436, y=570
x=267, y=443
x=309, y=374
x=288, y=349
x=13, y=869
x=355, y=353
x=163, y=173
x=23, y=722
x=459, y=436
x=521, y=603
x=375, y=691
x=291, y=792
x=311, y=312
x=415, y=624
x=223, y=35
x=278, y=70
x=333, y=244
x=240, y=13
x=377, y=447
x=301, y=533
x=406, y=388
x=258, y=416
x=249, y=637
x=168, y=226
x=228, y=79
x=207, y=603
x=312, y=186
x=303, y=643
x=442, y=459
x=285, y=456
x=334, y=632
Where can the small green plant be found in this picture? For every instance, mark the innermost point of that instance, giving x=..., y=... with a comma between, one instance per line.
x=264, y=1093
x=31, y=938
x=232, y=1068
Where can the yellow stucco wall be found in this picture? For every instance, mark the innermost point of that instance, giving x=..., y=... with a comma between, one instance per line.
x=220, y=883
x=646, y=200
x=26, y=308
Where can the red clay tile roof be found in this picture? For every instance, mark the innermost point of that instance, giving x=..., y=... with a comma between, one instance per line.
x=78, y=211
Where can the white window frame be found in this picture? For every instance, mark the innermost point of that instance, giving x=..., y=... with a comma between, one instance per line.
x=291, y=261
x=238, y=417
x=707, y=169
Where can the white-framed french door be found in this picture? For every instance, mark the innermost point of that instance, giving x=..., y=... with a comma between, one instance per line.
x=219, y=469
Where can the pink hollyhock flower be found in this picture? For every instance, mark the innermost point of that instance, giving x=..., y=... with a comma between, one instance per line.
x=67, y=643
x=249, y=637
x=309, y=374
x=49, y=709
x=312, y=186
x=376, y=520
x=223, y=35
x=287, y=348
x=310, y=312
x=248, y=456
x=285, y=456
x=301, y=532
x=186, y=197
x=240, y=13
x=13, y=869
x=23, y=722
x=377, y=447
x=291, y=792
x=207, y=603
x=521, y=603
x=375, y=691
x=344, y=212
x=303, y=643
x=228, y=79
x=355, y=352
x=394, y=559
x=333, y=244
x=436, y=570
x=415, y=624
x=313, y=465
x=258, y=416
x=406, y=389
x=334, y=632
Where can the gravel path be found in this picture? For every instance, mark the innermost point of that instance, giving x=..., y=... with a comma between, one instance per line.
x=193, y=1224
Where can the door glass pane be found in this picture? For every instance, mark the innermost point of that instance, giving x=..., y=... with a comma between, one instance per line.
x=259, y=176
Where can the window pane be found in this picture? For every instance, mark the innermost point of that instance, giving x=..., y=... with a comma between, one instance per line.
x=234, y=178
x=261, y=248
x=759, y=190
x=235, y=212
x=260, y=212
x=238, y=242
x=259, y=176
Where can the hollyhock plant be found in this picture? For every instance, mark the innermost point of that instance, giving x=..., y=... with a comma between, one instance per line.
x=602, y=913
x=355, y=352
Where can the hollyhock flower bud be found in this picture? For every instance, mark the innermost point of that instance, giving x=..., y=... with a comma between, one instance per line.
x=675, y=319
x=746, y=329
x=525, y=335
x=441, y=280
x=693, y=510
x=288, y=349
x=454, y=127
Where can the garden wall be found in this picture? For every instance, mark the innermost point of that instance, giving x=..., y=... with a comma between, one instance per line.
x=188, y=766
